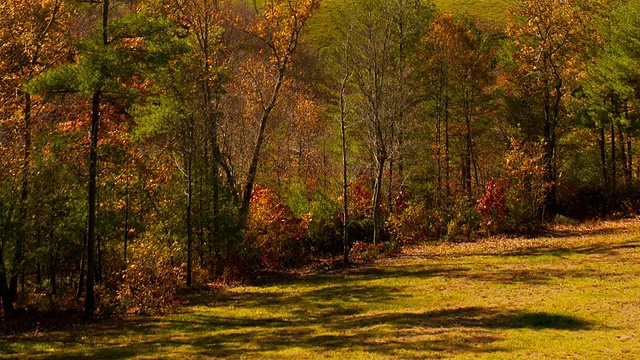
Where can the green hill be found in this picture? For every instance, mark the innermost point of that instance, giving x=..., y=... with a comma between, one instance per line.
x=321, y=25
x=489, y=9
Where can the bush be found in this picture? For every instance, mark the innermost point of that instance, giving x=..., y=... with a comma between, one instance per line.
x=324, y=235
x=410, y=225
x=464, y=222
x=275, y=232
x=151, y=280
x=526, y=186
x=492, y=207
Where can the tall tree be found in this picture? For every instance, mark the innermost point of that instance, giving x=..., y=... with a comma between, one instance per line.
x=119, y=52
x=31, y=34
x=278, y=27
x=549, y=39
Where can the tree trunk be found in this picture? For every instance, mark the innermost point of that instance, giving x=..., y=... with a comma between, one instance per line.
x=630, y=158
x=53, y=260
x=614, y=181
x=377, y=193
x=439, y=150
x=22, y=236
x=126, y=225
x=98, y=267
x=602, y=143
x=80, y=288
x=90, y=304
x=7, y=301
x=446, y=150
x=92, y=192
x=188, y=217
x=623, y=157
x=345, y=184
x=253, y=168
x=467, y=156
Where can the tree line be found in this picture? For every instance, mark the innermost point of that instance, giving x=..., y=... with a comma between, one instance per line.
x=149, y=146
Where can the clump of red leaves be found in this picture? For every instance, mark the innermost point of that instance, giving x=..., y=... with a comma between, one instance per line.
x=492, y=206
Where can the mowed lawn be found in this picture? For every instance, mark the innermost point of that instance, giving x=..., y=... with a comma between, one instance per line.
x=574, y=294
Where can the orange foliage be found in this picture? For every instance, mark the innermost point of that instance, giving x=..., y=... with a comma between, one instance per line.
x=276, y=232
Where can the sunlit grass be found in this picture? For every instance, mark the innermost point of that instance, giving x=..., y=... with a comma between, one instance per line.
x=575, y=294
x=322, y=26
x=495, y=10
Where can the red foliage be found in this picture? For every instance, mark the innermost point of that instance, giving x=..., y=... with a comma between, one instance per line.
x=492, y=207
x=275, y=230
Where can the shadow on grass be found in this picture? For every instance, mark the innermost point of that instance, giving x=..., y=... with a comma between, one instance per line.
x=326, y=313
x=409, y=335
x=474, y=317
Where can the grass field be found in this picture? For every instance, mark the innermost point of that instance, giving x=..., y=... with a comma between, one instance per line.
x=322, y=26
x=574, y=294
x=495, y=10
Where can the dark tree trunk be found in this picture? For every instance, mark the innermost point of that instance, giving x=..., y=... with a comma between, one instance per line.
x=253, y=168
x=446, y=150
x=91, y=227
x=80, y=288
x=602, y=143
x=188, y=220
x=630, y=158
x=467, y=159
x=377, y=196
x=7, y=301
x=345, y=184
x=614, y=180
x=126, y=225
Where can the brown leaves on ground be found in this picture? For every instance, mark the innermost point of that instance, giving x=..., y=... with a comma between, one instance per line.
x=553, y=237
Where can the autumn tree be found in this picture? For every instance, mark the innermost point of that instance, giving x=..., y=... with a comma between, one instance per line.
x=607, y=97
x=382, y=37
x=32, y=40
x=549, y=38
x=278, y=27
x=120, y=50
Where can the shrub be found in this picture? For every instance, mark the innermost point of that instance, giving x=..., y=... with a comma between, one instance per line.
x=410, y=225
x=324, y=235
x=492, y=207
x=275, y=231
x=151, y=280
x=526, y=186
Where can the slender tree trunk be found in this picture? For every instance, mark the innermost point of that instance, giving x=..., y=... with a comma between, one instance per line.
x=80, y=288
x=90, y=304
x=253, y=168
x=92, y=192
x=345, y=184
x=602, y=143
x=630, y=158
x=614, y=180
x=98, y=267
x=623, y=157
x=22, y=236
x=377, y=193
x=7, y=301
x=467, y=155
x=125, y=235
x=390, y=185
x=188, y=220
x=53, y=262
x=447, y=154
x=439, y=150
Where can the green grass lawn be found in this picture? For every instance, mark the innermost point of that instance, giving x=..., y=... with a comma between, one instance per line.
x=574, y=294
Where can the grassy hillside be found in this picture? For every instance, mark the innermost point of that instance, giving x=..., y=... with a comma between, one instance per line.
x=573, y=294
x=321, y=26
x=489, y=9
